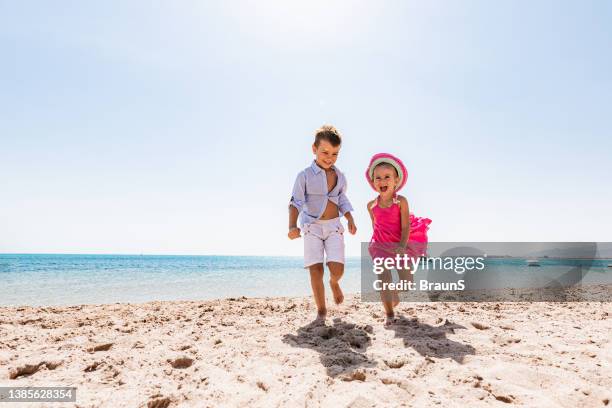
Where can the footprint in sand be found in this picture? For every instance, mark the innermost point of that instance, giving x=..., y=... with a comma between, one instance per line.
x=29, y=369
x=356, y=375
x=163, y=402
x=480, y=326
x=181, y=362
x=100, y=347
x=397, y=362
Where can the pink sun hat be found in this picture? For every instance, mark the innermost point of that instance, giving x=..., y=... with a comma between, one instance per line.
x=392, y=160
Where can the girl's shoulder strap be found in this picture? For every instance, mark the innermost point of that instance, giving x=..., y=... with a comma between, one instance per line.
x=396, y=199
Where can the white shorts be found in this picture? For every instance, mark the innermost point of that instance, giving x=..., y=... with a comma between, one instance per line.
x=323, y=236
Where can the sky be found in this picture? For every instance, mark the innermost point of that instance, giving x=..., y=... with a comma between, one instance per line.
x=179, y=127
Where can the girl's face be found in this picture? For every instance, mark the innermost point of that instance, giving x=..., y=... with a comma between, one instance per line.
x=386, y=180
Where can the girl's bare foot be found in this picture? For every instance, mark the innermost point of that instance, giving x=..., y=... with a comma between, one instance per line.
x=338, y=295
x=390, y=319
x=396, y=299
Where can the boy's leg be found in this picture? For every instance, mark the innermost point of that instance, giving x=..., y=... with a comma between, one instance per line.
x=334, y=250
x=313, y=260
x=318, y=289
x=336, y=270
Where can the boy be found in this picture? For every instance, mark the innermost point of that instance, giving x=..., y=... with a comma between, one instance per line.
x=319, y=198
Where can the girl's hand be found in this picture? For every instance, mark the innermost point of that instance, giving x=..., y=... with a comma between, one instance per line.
x=352, y=228
x=401, y=250
x=294, y=233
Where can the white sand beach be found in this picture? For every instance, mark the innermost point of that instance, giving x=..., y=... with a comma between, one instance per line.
x=265, y=353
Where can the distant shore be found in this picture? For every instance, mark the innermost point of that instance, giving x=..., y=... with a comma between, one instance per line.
x=266, y=352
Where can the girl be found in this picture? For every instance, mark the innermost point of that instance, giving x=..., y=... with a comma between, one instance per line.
x=396, y=231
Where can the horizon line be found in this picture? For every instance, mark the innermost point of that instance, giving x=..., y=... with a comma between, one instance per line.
x=148, y=254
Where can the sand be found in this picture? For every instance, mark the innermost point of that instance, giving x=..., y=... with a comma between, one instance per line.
x=265, y=352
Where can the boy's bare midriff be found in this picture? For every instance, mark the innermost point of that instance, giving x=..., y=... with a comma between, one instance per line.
x=331, y=211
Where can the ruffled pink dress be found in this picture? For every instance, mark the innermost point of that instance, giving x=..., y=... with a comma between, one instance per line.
x=388, y=232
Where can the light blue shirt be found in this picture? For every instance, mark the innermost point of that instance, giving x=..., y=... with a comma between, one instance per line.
x=310, y=193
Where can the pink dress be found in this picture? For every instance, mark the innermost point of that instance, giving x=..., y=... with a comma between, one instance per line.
x=388, y=232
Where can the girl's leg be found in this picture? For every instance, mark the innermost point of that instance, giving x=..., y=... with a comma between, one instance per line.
x=404, y=275
x=386, y=295
x=318, y=289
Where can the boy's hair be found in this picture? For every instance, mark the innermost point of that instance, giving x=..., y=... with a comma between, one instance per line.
x=328, y=133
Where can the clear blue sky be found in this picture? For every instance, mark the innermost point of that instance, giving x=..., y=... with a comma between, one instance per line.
x=178, y=127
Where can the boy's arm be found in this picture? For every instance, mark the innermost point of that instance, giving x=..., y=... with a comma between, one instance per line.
x=298, y=197
x=344, y=205
x=351, y=222
x=293, y=216
x=294, y=231
x=345, y=208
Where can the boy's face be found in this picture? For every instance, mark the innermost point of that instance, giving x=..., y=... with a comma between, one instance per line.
x=326, y=154
x=385, y=180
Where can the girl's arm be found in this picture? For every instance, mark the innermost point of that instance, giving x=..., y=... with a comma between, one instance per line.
x=370, y=204
x=404, y=211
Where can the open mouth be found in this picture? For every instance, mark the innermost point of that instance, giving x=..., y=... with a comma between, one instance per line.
x=383, y=189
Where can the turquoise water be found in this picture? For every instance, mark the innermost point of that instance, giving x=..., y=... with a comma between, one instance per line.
x=87, y=279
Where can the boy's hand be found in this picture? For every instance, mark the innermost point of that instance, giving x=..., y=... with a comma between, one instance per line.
x=352, y=228
x=294, y=233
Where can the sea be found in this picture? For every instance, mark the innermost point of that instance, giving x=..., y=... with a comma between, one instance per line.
x=43, y=279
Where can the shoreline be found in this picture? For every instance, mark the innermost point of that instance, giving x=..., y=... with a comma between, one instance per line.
x=587, y=293
x=266, y=351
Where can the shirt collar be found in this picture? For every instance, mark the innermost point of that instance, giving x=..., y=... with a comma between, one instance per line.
x=316, y=169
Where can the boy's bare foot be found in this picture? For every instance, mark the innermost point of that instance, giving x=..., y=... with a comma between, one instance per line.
x=321, y=316
x=338, y=295
x=396, y=299
x=390, y=319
